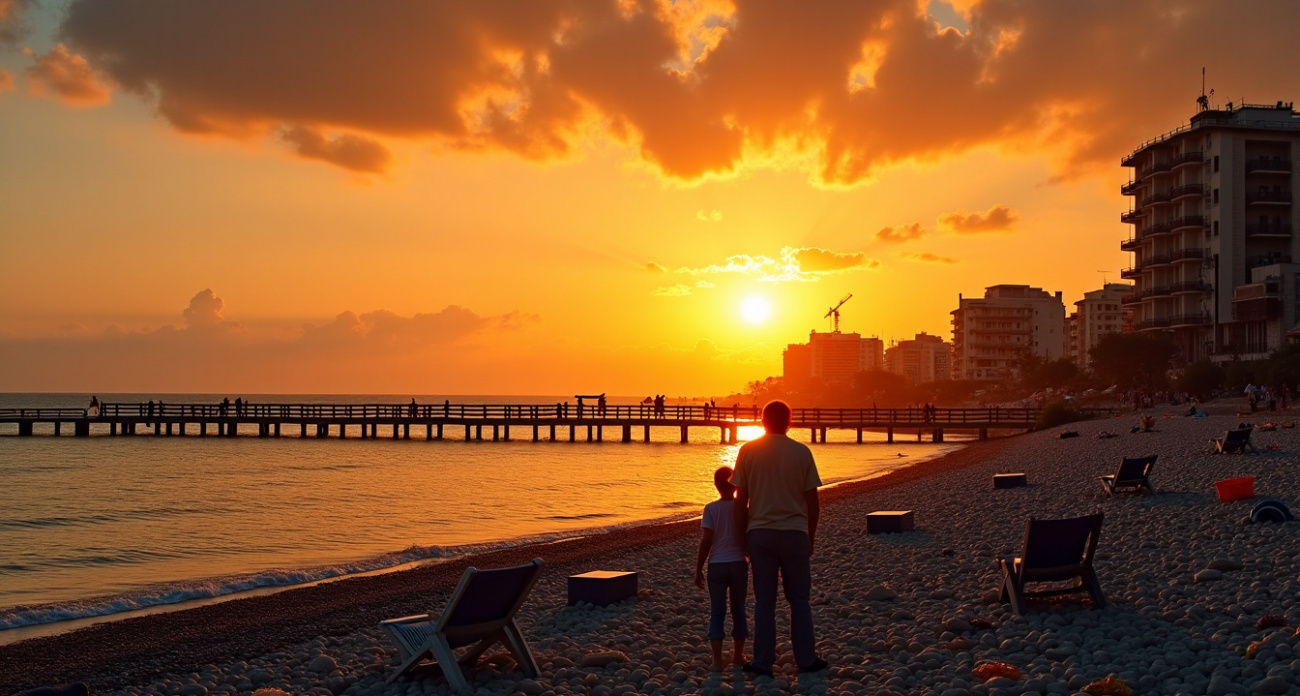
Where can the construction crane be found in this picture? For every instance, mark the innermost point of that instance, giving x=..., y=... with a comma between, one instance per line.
x=834, y=313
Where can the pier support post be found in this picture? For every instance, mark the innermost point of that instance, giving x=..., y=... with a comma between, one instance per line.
x=573, y=434
x=589, y=433
x=552, y=432
x=169, y=428
x=600, y=433
x=406, y=431
x=496, y=433
x=731, y=434
x=722, y=434
x=395, y=430
x=263, y=429
x=918, y=435
x=277, y=430
x=440, y=431
x=322, y=430
x=203, y=428
x=58, y=427
x=823, y=436
x=478, y=432
x=646, y=434
x=627, y=433
x=859, y=436
x=25, y=429
x=684, y=437
x=984, y=434
x=812, y=435
x=303, y=432
x=889, y=435
x=343, y=430
x=81, y=428
x=180, y=428
x=938, y=435
x=112, y=429
x=536, y=432
x=505, y=432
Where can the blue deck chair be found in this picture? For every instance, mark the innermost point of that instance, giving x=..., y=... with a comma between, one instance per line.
x=481, y=612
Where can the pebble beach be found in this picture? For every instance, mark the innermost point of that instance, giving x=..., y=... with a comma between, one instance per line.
x=1187, y=578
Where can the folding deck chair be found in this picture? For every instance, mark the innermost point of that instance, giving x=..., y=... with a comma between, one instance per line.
x=481, y=612
x=1235, y=441
x=1133, y=475
x=1055, y=551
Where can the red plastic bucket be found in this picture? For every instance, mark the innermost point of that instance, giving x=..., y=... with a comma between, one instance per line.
x=1235, y=488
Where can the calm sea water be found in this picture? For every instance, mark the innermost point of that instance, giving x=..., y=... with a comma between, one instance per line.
x=101, y=525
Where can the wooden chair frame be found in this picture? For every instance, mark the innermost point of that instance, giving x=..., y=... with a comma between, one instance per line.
x=1043, y=561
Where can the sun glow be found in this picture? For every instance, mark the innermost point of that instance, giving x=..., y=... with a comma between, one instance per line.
x=745, y=433
x=755, y=310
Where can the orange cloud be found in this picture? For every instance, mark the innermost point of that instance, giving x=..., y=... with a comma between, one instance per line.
x=6, y=81
x=895, y=235
x=348, y=151
x=814, y=260
x=693, y=88
x=68, y=76
x=999, y=218
x=928, y=257
x=11, y=15
x=205, y=312
x=655, y=268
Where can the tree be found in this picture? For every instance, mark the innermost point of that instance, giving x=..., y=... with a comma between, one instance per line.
x=1133, y=360
x=1283, y=366
x=1202, y=378
x=1057, y=374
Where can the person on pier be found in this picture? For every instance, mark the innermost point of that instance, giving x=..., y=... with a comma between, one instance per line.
x=776, y=516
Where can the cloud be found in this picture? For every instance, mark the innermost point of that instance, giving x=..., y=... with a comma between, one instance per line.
x=11, y=21
x=6, y=81
x=678, y=290
x=68, y=76
x=905, y=233
x=655, y=268
x=814, y=260
x=205, y=312
x=351, y=152
x=709, y=215
x=999, y=218
x=928, y=257
x=695, y=89
x=740, y=263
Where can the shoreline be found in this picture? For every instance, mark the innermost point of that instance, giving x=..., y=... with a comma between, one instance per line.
x=118, y=653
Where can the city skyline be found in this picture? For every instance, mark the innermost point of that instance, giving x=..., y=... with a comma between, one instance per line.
x=623, y=197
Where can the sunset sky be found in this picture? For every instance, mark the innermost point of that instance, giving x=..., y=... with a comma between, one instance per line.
x=563, y=197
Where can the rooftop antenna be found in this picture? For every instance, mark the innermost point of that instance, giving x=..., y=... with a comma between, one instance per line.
x=1103, y=277
x=1203, y=101
x=834, y=313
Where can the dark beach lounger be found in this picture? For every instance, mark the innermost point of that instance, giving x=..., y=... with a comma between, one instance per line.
x=481, y=613
x=1235, y=441
x=1055, y=551
x=1133, y=475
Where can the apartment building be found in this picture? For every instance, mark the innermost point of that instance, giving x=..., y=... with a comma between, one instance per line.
x=992, y=334
x=922, y=359
x=1212, y=239
x=831, y=357
x=1100, y=312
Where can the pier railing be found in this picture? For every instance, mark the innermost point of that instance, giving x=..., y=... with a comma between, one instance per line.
x=622, y=412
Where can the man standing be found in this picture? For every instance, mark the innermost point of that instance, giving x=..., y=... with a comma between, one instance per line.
x=776, y=514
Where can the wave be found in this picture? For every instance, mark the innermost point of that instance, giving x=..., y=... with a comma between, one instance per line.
x=184, y=591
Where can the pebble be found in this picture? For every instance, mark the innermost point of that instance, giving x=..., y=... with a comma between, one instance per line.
x=1207, y=575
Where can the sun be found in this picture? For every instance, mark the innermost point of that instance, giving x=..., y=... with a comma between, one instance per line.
x=755, y=310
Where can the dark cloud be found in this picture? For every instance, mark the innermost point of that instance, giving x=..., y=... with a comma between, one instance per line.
x=67, y=76
x=905, y=233
x=349, y=151
x=11, y=21
x=694, y=87
x=999, y=218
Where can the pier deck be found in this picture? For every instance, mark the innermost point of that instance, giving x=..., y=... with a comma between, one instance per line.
x=552, y=422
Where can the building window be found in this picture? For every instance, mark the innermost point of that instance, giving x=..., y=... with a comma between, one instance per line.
x=1215, y=196
x=1216, y=163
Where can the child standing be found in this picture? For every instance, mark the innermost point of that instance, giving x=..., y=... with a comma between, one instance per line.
x=728, y=571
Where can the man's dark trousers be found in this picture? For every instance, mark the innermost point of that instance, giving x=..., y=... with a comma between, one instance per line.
x=789, y=553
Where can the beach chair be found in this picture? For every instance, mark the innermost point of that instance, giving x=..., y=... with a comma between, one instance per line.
x=1133, y=475
x=1234, y=441
x=481, y=612
x=1055, y=551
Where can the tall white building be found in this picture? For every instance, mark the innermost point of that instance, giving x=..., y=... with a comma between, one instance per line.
x=1213, y=219
x=832, y=357
x=922, y=359
x=992, y=334
x=1100, y=312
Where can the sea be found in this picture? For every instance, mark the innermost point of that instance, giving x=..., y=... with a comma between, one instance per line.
x=104, y=527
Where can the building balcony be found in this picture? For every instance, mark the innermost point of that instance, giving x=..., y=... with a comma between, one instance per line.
x=1266, y=260
x=1157, y=197
x=1154, y=230
x=1187, y=190
x=1187, y=158
x=1191, y=286
x=1188, y=255
x=1187, y=221
x=1268, y=198
x=1159, y=291
x=1130, y=244
x=1130, y=188
x=1256, y=302
x=1130, y=217
x=1281, y=230
x=1154, y=168
x=1156, y=260
x=1130, y=273
x=1268, y=165
x=1194, y=319
x=1148, y=324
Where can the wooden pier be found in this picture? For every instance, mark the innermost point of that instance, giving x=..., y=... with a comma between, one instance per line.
x=496, y=422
